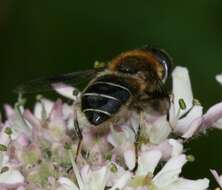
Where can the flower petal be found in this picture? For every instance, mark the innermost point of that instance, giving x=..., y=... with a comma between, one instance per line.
x=182, y=88
x=130, y=156
x=32, y=120
x=218, y=124
x=217, y=177
x=44, y=106
x=11, y=177
x=185, y=184
x=212, y=115
x=177, y=147
x=65, y=90
x=158, y=131
x=94, y=180
x=4, y=158
x=147, y=162
x=184, y=123
x=219, y=78
x=170, y=172
x=66, y=184
x=9, y=111
x=169, y=148
x=193, y=128
x=122, y=182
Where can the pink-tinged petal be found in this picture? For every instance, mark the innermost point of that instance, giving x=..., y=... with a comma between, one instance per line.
x=183, y=124
x=68, y=111
x=34, y=122
x=182, y=88
x=194, y=128
x=218, y=124
x=217, y=177
x=45, y=105
x=9, y=111
x=168, y=148
x=186, y=184
x=219, y=78
x=57, y=111
x=65, y=90
x=147, y=162
x=56, y=117
x=170, y=172
x=14, y=186
x=23, y=140
x=212, y=115
x=165, y=148
x=18, y=124
x=21, y=188
x=130, y=156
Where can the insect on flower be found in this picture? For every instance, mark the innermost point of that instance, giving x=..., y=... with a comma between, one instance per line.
x=134, y=80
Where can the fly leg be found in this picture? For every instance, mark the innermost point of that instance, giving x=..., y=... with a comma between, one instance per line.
x=168, y=109
x=137, y=144
x=80, y=140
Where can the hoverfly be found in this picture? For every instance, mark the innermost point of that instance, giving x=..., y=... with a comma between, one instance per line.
x=129, y=81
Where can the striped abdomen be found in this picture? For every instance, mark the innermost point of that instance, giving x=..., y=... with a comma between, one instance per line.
x=104, y=97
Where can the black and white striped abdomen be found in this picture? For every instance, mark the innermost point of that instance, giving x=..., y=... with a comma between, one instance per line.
x=104, y=97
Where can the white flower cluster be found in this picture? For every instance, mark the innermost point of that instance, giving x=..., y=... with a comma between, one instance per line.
x=37, y=150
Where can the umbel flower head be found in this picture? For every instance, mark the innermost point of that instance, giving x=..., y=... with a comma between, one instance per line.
x=38, y=148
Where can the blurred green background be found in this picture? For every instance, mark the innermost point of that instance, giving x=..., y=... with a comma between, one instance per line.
x=46, y=37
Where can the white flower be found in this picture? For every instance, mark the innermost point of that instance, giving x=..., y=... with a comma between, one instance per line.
x=193, y=121
x=11, y=177
x=182, y=93
x=147, y=162
x=168, y=177
x=87, y=178
x=219, y=78
x=43, y=108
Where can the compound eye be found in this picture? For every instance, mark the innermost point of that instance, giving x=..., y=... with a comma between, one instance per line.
x=164, y=59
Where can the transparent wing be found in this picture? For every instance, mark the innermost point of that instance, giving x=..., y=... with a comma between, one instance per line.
x=46, y=84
